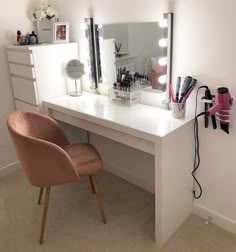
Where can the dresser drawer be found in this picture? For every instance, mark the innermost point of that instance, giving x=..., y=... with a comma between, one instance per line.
x=25, y=90
x=24, y=71
x=20, y=57
x=25, y=107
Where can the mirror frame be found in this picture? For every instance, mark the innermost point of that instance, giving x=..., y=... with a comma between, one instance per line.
x=93, y=38
x=170, y=18
x=79, y=65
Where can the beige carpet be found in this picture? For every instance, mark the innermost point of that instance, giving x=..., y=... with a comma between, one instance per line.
x=74, y=222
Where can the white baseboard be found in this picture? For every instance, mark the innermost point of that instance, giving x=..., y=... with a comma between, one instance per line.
x=9, y=168
x=217, y=218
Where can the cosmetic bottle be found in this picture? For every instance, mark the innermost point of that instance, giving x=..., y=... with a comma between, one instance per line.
x=34, y=38
x=18, y=37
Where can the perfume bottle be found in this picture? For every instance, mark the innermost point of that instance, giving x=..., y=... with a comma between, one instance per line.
x=18, y=37
x=33, y=38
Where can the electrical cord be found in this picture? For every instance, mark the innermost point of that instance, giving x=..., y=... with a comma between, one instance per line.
x=197, y=159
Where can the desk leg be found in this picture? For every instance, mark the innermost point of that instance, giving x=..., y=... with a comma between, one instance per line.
x=173, y=182
x=45, y=109
x=158, y=195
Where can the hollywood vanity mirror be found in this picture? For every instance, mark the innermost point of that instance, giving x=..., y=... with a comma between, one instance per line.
x=143, y=48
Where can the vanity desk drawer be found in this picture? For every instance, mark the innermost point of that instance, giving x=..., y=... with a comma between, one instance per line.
x=36, y=72
x=25, y=90
x=21, y=70
x=25, y=58
x=25, y=107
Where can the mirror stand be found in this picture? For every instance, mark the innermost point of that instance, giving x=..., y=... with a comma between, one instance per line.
x=75, y=70
x=77, y=92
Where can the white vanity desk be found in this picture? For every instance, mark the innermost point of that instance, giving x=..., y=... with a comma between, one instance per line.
x=148, y=129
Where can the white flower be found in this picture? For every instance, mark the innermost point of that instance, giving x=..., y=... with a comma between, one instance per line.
x=43, y=12
x=40, y=14
x=50, y=11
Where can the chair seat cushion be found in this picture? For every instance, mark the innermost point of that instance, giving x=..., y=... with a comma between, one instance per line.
x=85, y=158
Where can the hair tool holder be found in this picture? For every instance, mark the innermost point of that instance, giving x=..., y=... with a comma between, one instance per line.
x=218, y=107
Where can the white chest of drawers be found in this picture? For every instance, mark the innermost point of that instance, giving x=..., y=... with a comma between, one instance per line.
x=38, y=72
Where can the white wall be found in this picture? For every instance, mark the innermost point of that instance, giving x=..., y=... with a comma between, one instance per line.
x=14, y=17
x=204, y=47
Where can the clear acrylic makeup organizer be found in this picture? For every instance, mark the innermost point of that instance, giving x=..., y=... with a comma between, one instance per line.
x=124, y=97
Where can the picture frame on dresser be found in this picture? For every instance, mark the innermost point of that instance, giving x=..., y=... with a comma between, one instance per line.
x=61, y=32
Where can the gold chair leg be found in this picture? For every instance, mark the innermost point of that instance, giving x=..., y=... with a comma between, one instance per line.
x=40, y=195
x=45, y=211
x=93, y=182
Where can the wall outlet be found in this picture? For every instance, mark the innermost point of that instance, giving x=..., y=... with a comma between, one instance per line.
x=208, y=220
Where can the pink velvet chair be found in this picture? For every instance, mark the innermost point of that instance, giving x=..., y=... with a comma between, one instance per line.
x=47, y=157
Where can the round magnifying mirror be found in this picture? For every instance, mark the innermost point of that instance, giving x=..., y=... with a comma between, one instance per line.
x=75, y=70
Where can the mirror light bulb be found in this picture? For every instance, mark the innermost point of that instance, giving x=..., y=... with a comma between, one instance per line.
x=83, y=26
x=163, y=23
x=163, y=42
x=162, y=79
x=162, y=61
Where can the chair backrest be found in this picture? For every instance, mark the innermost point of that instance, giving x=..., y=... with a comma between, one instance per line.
x=38, y=140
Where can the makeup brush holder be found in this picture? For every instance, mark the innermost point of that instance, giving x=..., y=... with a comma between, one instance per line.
x=178, y=109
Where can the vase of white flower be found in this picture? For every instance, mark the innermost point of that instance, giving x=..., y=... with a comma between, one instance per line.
x=44, y=16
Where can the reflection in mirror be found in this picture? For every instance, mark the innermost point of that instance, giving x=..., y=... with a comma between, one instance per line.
x=75, y=70
x=141, y=48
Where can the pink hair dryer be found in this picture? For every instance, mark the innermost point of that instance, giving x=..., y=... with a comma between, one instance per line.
x=221, y=107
